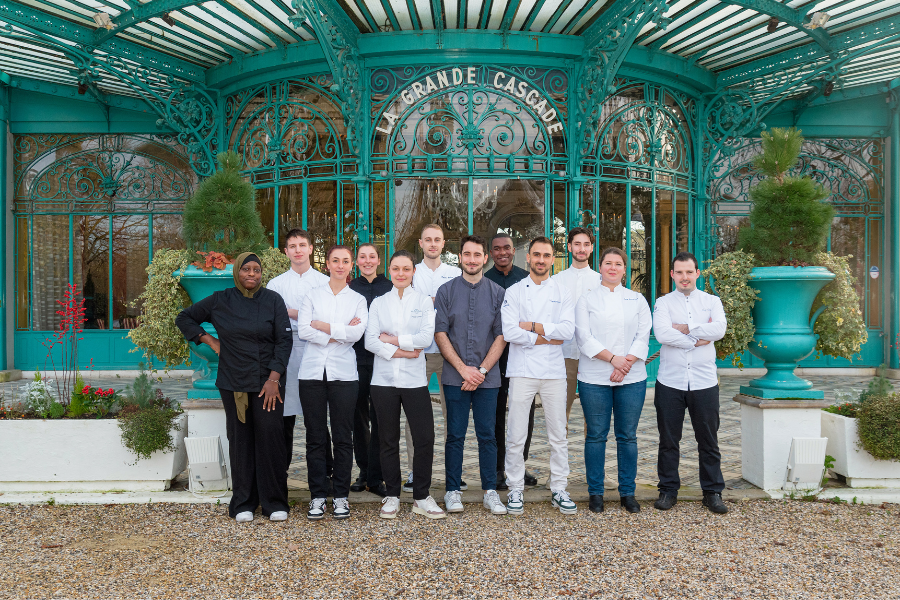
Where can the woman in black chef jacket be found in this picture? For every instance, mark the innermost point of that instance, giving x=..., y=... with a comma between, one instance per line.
x=254, y=346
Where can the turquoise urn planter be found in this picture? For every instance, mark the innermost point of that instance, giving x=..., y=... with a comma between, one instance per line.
x=199, y=284
x=784, y=328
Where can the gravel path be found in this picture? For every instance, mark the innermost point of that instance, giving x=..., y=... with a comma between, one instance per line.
x=761, y=549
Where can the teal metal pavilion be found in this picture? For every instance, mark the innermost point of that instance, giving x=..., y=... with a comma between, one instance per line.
x=364, y=119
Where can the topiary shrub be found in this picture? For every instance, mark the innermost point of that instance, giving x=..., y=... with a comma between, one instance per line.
x=788, y=222
x=878, y=420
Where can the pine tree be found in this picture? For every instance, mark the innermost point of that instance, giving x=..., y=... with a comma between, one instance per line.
x=789, y=221
x=221, y=216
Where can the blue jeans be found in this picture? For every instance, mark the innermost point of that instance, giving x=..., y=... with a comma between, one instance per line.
x=483, y=402
x=599, y=403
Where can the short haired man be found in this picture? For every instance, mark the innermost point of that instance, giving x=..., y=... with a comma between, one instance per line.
x=538, y=316
x=470, y=335
x=431, y=274
x=504, y=273
x=579, y=279
x=687, y=322
x=293, y=285
x=370, y=285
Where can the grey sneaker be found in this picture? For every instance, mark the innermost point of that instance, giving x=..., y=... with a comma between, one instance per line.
x=562, y=501
x=515, y=502
x=453, y=501
x=493, y=503
x=340, y=508
x=408, y=486
x=316, y=509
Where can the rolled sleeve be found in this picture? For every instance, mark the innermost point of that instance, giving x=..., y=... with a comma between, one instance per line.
x=338, y=332
x=406, y=342
x=305, y=331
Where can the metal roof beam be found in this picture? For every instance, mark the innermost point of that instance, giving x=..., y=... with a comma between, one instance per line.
x=139, y=14
x=808, y=53
x=27, y=17
x=786, y=14
x=335, y=14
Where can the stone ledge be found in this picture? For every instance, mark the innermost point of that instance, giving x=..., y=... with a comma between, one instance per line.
x=780, y=402
x=202, y=404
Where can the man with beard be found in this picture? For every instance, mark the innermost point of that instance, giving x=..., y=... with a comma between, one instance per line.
x=538, y=316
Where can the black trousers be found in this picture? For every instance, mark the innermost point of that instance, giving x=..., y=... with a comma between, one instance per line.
x=703, y=407
x=365, y=440
x=289, y=424
x=256, y=450
x=416, y=404
x=320, y=400
x=500, y=423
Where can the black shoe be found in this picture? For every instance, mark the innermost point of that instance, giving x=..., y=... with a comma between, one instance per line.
x=359, y=485
x=713, y=501
x=596, y=504
x=530, y=479
x=501, y=481
x=379, y=490
x=463, y=486
x=630, y=504
x=666, y=501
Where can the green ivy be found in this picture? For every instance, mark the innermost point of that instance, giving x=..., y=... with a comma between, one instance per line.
x=148, y=430
x=841, y=327
x=729, y=273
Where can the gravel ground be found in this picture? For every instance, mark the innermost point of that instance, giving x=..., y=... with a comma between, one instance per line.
x=761, y=549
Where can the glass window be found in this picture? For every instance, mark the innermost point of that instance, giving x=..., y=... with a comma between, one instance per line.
x=131, y=251
x=290, y=209
x=322, y=218
x=49, y=267
x=379, y=221
x=23, y=250
x=265, y=205
x=641, y=243
x=167, y=232
x=418, y=202
x=92, y=269
x=511, y=206
x=610, y=227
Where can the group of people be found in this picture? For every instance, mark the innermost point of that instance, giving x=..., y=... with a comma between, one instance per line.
x=348, y=355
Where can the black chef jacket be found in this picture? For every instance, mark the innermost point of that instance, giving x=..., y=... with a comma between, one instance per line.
x=379, y=286
x=255, y=335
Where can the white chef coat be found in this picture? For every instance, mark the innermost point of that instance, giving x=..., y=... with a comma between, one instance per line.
x=427, y=282
x=293, y=287
x=411, y=319
x=321, y=304
x=683, y=365
x=549, y=304
x=578, y=282
x=617, y=320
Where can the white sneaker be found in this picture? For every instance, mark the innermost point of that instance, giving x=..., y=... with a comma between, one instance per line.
x=390, y=508
x=316, y=509
x=429, y=508
x=562, y=501
x=492, y=501
x=340, y=508
x=515, y=502
x=278, y=515
x=244, y=517
x=453, y=501
x=408, y=486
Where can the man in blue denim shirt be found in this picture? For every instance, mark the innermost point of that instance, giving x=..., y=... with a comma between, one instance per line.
x=469, y=335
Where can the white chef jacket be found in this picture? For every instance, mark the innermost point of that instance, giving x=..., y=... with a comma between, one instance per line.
x=578, y=282
x=549, y=304
x=684, y=366
x=293, y=287
x=617, y=320
x=321, y=304
x=411, y=319
x=427, y=282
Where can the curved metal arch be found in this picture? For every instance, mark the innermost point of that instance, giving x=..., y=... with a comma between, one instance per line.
x=647, y=140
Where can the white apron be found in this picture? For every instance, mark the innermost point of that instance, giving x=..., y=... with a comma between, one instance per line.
x=291, y=383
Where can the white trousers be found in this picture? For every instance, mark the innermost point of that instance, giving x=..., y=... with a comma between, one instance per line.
x=553, y=396
x=291, y=378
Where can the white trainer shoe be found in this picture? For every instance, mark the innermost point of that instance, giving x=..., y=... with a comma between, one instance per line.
x=340, y=508
x=562, y=501
x=493, y=503
x=316, y=509
x=278, y=515
x=428, y=508
x=453, y=501
x=390, y=507
x=515, y=502
x=244, y=517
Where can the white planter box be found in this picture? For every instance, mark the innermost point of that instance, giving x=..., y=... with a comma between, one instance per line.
x=81, y=456
x=861, y=469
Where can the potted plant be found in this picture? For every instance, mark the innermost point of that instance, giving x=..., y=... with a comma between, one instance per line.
x=863, y=432
x=784, y=297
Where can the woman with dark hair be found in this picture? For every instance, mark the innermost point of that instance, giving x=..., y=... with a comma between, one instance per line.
x=612, y=329
x=254, y=346
x=401, y=326
x=331, y=318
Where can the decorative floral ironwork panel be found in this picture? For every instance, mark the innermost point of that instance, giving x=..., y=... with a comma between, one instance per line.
x=289, y=130
x=468, y=120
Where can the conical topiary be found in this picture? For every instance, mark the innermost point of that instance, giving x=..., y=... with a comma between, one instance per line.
x=789, y=221
x=221, y=216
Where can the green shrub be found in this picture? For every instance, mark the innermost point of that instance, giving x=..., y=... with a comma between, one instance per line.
x=878, y=420
x=730, y=274
x=78, y=407
x=841, y=327
x=148, y=430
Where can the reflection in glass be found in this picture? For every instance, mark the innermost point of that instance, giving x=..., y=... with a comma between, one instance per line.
x=418, y=202
x=559, y=231
x=322, y=218
x=92, y=268
x=290, y=209
x=848, y=237
x=663, y=241
x=265, y=205
x=610, y=224
x=641, y=248
x=167, y=232
x=511, y=206
x=23, y=243
x=50, y=267
x=131, y=245
x=379, y=222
